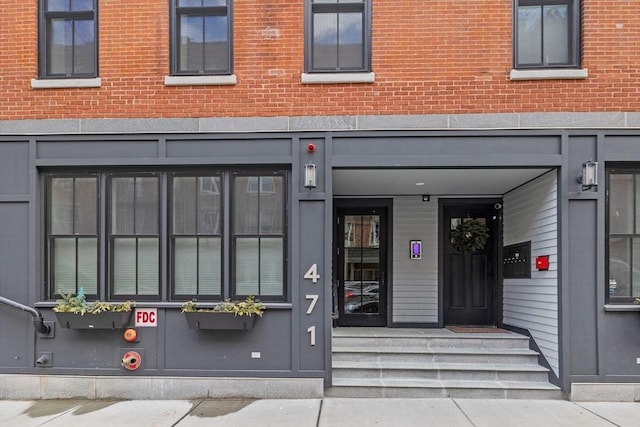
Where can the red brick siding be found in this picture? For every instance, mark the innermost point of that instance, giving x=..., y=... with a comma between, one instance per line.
x=430, y=57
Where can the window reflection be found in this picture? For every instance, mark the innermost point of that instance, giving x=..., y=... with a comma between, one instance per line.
x=361, y=267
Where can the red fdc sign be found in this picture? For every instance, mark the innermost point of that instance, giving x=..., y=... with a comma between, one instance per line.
x=146, y=317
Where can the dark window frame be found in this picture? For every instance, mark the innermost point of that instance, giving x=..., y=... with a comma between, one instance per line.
x=110, y=236
x=44, y=52
x=312, y=8
x=176, y=12
x=171, y=234
x=105, y=276
x=574, y=40
x=233, y=236
x=635, y=172
x=49, y=252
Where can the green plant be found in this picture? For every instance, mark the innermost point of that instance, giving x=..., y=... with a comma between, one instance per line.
x=248, y=307
x=470, y=236
x=68, y=303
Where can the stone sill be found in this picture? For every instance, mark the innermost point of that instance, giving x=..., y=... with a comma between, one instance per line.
x=200, y=80
x=65, y=83
x=322, y=78
x=549, y=74
x=622, y=307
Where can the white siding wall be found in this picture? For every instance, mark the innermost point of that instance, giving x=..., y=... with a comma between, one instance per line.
x=415, y=282
x=530, y=213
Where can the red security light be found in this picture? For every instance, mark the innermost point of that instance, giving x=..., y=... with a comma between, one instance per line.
x=311, y=148
x=542, y=262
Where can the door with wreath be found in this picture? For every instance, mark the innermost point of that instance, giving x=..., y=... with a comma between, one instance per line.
x=470, y=262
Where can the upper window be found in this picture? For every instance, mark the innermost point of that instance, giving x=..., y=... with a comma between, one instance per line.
x=547, y=34
x=68, y=39
x=623, y=237
x=201, y=37
x=338, y=36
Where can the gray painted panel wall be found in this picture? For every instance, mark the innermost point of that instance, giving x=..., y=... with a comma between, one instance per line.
x=312, y=327
x=191, y=350
x=14, y=167
x=602, y=344
x=582, y=299
x=171, y=348
x=441, y=145
x=530, y=214
x=15, y=326
x=621, y=340
x=218, y=148
x=415, y=282
x=88, y=149
x=628, y=146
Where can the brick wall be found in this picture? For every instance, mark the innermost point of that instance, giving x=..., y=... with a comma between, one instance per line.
x=430, y=57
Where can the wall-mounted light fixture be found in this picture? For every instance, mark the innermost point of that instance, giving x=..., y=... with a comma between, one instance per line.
x=310, y=174
x=589, y=176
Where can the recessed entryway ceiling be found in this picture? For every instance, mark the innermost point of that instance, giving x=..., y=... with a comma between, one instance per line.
x=448, y=182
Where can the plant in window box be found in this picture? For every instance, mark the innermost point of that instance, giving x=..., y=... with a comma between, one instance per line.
x=228, y=315
x=75, y=312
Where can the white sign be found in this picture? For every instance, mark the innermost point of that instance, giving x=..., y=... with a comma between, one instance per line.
x=146, y=317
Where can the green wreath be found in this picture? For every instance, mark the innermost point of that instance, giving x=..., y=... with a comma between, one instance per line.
x=469, y=236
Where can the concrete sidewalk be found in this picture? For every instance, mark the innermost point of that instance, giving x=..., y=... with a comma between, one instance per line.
x=318, y=413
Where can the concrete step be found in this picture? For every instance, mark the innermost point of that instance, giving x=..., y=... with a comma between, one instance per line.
x=380, y=362
x=431, y=355
x=486, y=341
x=400, y=388
x=440, y=371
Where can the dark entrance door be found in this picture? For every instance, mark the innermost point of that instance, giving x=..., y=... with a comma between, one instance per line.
x=470, y=280
x=361, y=265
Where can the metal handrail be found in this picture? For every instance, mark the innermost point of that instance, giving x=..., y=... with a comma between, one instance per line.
x=38, y=320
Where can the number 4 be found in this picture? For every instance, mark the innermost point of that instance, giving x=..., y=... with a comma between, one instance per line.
x=312, y=274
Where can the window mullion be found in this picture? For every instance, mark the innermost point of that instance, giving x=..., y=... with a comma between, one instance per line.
x=259, y=234
x=136, y=270
x=196, y=208
x=543, y=60
x=227, y=236
x=635, y=204
x=77, y=260
x=73, y=46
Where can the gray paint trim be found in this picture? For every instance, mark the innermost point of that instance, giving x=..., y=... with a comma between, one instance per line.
x=564, y=361
x=600, y=255
x=563, y=120
x=328, y=259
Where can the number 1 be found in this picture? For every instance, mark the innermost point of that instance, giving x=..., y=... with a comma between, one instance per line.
x=312, y=332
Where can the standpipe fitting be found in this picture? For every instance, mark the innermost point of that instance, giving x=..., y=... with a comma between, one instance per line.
x=131, y=360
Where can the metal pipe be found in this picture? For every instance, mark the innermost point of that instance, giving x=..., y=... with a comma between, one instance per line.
x=38, y=320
